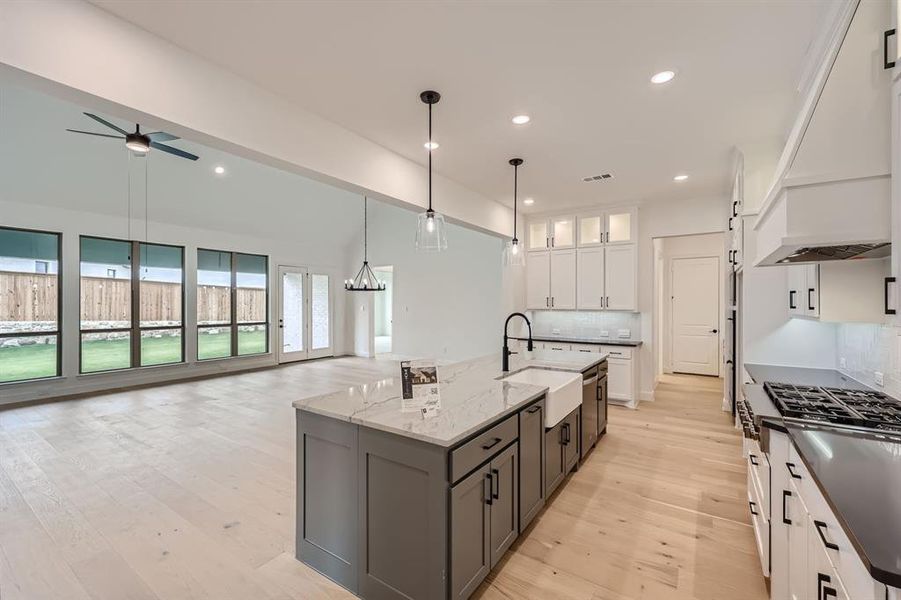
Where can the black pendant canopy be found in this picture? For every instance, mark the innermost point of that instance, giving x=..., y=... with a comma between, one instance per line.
x=365, y=280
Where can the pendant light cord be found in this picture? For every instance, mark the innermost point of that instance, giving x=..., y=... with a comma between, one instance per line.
x=430, y=158
x=515, y=192
x=365, y=229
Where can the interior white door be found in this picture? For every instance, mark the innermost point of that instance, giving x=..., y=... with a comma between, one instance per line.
x=695, y=315
x=538, y=280
x=292, y=314
x=620, y=281
x=590, y=282
x=563, y=279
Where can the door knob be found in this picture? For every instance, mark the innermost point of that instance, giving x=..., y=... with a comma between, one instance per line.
x=714, y=331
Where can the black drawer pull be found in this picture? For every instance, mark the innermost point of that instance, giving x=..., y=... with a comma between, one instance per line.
x=889, y=311
x=821, y=579
x=753, y=459
x=495, y=481
x=496, y=441
x=791, y=470
x=488, y=499
x=791, y=299
x=785, y=495
x=886, y=63
x=820, y=527
x=533, y=410
x=752, y=505
x=828, y=591
x=810, y=305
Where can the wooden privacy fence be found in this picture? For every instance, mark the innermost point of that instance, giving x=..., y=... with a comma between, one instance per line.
x=27, y=297
x=32, y=297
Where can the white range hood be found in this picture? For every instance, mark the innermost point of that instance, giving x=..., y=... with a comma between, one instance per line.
x=831, y=197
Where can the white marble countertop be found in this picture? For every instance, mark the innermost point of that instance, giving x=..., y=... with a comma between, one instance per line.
x=472, y=396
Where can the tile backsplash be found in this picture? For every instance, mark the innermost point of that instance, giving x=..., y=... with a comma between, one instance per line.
x=867, y=349
x=585, y=324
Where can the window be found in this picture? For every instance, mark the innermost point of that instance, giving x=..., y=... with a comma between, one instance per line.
x=232, y=304
x=29, y=305
x=132, y=299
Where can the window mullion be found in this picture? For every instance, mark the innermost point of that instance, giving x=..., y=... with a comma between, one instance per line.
x=234, y=304
x=135, y=304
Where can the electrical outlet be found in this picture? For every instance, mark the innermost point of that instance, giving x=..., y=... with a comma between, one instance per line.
x=842, y=363
x=879, y=377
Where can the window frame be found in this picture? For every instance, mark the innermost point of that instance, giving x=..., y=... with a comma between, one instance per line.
x=135, y=328
x=233, y=324
x=59, y=308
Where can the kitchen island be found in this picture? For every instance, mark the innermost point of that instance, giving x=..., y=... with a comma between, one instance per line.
x=392, y=503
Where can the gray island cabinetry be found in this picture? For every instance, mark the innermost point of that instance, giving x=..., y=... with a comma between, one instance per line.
x=395, y=505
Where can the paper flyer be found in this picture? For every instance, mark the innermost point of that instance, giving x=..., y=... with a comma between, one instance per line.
x=421, y=389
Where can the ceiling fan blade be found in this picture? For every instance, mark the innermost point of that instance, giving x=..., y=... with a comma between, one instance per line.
x=172, y=150
x=107, y=123
x=162, y=136
x=116, y=137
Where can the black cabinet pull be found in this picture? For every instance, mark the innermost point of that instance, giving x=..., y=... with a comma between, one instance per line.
x=753, y=459
x=533, y=410
x=735, y=208
x=821, y=579
x=488, y=499
x=495, y=480
x=752, y=505
x=730, y=223
x=888, y=311
x=791, y=470
x=886, y=63
x=829, y=591
x=820, y=526
x=810, y=305
x=785, y=495
x=496, y=441
x=791, y=299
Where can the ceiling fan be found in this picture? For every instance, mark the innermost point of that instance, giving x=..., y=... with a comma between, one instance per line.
x=137, y=141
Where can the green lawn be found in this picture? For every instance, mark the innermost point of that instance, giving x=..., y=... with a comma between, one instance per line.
x=30, y=362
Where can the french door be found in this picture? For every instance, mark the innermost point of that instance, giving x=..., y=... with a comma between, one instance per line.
x=304, y=314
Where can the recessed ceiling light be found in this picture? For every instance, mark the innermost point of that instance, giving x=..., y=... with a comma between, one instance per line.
x=662, y=77
x=680, y=177
x=430, y=145
x=521, y=119
x=529, y=201
x=219, y=170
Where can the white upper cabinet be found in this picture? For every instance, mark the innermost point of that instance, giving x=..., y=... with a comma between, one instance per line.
x=538, y=280
x=563, y=232
x=620, y=226
x=586, y=262
x=590, y=279
x=538, y=235
x=591, y=230
x=563, y=279
x=620, y=277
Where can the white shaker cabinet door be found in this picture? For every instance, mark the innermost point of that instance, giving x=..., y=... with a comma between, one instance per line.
x=590, y=278
x=563, y=279
x=619, y=379
x=620, y=277
x=538, y=280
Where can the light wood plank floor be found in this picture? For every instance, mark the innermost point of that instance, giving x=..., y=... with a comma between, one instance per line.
x=187, y=491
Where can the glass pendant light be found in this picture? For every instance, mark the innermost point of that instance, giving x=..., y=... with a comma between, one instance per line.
x=365, y=281
x=513, y=252
x=431, y=232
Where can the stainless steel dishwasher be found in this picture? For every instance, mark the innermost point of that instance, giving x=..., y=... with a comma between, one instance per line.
x=590, y=408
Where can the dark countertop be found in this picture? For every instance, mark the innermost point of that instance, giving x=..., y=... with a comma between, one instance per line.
x=578, y=340
x=859, y=474
x=802, y=376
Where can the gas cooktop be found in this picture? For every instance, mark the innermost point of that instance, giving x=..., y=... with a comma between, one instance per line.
x=862, y=408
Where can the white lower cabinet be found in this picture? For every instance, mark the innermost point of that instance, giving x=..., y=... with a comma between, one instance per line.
x=810, y=556
x=622, y=375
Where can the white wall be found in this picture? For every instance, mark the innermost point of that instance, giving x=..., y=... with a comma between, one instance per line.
x=448, y=305
x=709, y=244
x=92, y=57
x=769, y=335
x=659, y=220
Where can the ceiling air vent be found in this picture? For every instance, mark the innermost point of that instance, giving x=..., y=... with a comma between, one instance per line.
x=601, y=177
